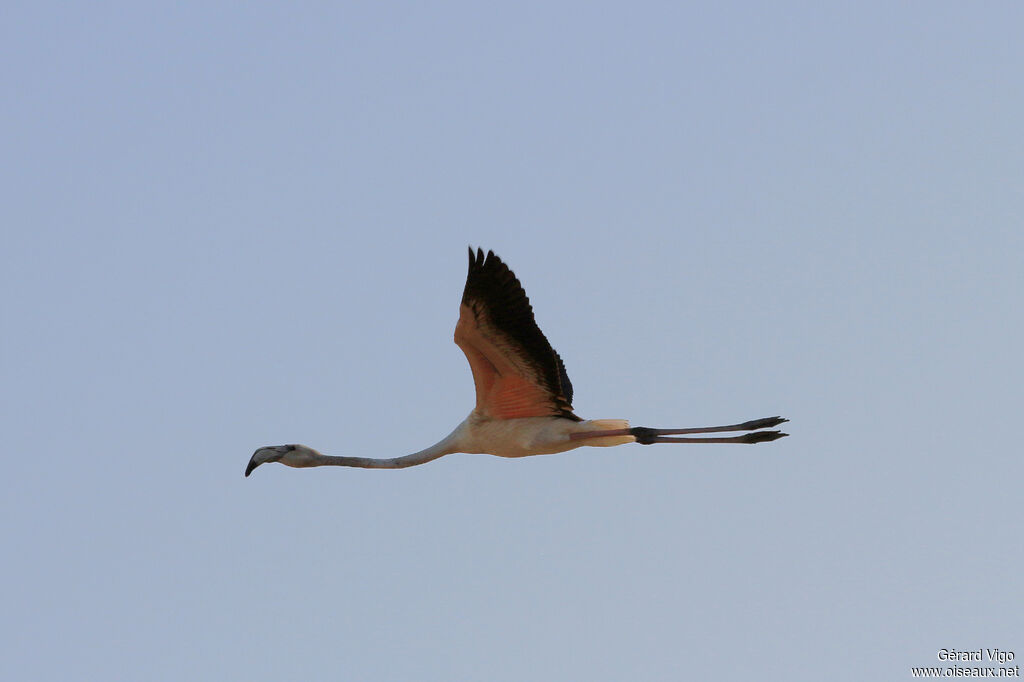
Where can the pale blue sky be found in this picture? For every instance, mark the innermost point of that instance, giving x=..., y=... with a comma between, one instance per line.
x=227, y=226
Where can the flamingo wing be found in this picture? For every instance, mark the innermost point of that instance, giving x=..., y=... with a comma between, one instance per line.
x=516, y=371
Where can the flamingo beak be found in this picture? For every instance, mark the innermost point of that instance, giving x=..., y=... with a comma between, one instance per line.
x=273, y=453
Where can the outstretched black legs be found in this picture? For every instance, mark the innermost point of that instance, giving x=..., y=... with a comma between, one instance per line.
x=648, y=436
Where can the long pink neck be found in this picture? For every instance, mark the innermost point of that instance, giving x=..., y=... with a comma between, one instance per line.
x=445, y=447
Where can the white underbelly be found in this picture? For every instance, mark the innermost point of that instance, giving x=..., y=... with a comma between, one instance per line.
x=534, y=435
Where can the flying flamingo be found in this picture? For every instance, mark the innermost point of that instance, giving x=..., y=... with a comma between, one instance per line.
x=523, y=395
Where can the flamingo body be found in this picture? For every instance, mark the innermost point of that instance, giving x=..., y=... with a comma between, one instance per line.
x=524, y=436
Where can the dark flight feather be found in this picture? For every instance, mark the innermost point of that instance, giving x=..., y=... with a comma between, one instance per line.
x=493, y=292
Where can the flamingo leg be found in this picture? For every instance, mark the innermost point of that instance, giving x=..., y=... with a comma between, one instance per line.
x=648, y=436
x=751, y=425
x=753, y=437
